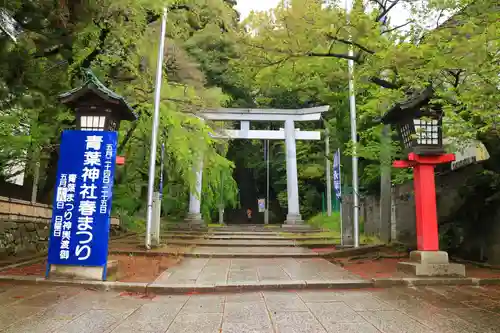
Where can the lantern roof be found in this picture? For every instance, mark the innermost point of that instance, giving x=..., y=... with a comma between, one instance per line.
x=92, y=86
x=410, y=107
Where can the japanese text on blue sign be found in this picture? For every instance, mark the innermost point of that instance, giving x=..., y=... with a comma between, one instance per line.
x=81, y=213
x=336, y=174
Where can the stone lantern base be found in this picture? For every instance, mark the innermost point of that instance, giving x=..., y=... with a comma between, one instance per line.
x=431, y=263
x=83, y=272
x=195, y=221
x=295, y=222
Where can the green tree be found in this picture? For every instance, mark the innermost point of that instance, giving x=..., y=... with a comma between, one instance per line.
x=308, y=39
x=118, y=40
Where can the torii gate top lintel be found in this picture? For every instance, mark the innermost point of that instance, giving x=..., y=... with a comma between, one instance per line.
x=305, y=114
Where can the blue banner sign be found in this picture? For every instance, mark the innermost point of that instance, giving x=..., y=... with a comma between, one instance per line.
x=82, y=200
x=336, y=175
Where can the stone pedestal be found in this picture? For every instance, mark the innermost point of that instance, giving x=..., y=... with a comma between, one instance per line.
x=431, y=263
x=294, y=221
x=194, y=220
x=93, y=273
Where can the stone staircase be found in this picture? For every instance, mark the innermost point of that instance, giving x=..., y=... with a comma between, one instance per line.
x=253, y=257
x=251, y=241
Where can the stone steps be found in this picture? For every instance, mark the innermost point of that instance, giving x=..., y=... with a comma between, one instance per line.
x=222, y=233
x=226, y=252
x=241, y=230
x=253, y=243
x=246, y=237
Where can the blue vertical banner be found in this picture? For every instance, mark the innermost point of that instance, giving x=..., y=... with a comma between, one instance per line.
x=82, y=200
x=336, y=175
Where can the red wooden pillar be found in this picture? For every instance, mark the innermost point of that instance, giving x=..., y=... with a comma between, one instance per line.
x=425, y=197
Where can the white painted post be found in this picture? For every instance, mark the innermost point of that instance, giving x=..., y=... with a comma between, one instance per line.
x=155, y=225
x=293, y=217
x=194, y=215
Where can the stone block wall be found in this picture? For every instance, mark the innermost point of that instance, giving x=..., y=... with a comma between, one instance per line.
x=22, y=237
x=20, y=210
x=25, y=227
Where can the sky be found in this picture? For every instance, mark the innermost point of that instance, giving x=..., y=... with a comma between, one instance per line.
x=399, y=14
x=246, y=6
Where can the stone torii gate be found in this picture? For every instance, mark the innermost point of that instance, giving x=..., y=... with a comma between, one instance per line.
x=289, y=134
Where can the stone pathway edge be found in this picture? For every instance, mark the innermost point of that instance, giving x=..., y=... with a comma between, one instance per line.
x=161, y=288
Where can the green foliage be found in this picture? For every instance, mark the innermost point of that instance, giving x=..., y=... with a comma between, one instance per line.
x=295, y=55
x=330, y=223
x=131, y=223
x=118, y=40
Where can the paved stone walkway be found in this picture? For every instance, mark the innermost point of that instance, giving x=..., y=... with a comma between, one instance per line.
x=203, y=271
x=35, y=309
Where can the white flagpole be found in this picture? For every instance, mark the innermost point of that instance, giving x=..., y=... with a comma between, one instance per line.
x=154, y=134
x=354, y=139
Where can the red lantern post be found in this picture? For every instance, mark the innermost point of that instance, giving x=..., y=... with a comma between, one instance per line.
x=425, y=196
x=419, y=125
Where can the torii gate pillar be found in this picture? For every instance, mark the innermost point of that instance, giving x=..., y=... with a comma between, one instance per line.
x=194, y=218
x=293, y=217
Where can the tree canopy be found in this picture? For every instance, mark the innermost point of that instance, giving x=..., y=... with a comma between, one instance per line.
x=298, y=51
x=118, y=40
x=291, y=56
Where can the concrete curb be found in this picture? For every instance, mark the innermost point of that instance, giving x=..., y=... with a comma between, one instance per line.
x=162, y=288
x=433, y=281
x=349, y=252
x=24, y=261
x=487, y=281
x=95, y=285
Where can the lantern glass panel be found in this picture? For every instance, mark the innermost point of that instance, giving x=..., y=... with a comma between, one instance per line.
x=407, y=135
x=426, y=131
x=92, y=123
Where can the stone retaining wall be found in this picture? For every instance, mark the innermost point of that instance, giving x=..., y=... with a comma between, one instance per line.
x=24, y=227
x=20, y=210
x=22, y=237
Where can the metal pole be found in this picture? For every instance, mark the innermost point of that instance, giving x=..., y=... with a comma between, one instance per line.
x=328, y=175
x=154, y=134
x=266, y=213
x=352, y=109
